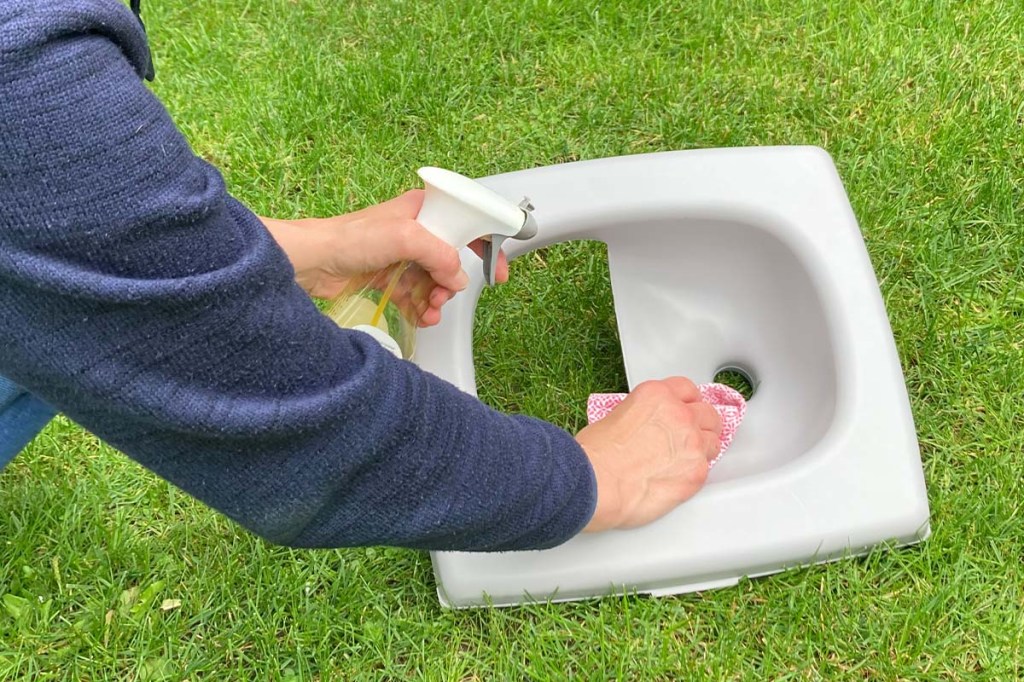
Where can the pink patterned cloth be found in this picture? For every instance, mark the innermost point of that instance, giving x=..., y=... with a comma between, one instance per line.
x=728, y=402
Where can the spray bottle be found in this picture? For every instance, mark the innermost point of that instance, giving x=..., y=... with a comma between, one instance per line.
x=387, y=304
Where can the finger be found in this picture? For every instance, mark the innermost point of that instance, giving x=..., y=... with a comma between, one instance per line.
x=421, y=305
x=434, y=255
x=439, y=296
x=707, y=417
x=683, y=389
x=422, y=285
x=430, y=317
x=710, y=444
x=501, y=272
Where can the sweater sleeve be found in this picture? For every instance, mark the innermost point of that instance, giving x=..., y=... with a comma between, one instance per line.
x=141, y=300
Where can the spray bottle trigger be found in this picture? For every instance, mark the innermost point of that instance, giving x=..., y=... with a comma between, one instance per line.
x=492, y=249
x=492, y=243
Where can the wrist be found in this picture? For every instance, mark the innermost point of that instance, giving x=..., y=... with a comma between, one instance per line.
x=607, y=502
x=305, y=242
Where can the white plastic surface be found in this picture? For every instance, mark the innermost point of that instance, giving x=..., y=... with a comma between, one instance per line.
x=381, y=337
x=743, y=257
x=460, y=210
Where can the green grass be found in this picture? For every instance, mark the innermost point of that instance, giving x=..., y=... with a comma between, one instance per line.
x=320, y=107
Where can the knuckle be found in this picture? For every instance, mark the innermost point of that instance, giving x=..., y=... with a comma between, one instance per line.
x=685, y=415
x=450, y=259
x=651, y=388
x=645, y=386
x=686, y=384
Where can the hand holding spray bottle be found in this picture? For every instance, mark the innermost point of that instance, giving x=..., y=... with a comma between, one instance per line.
x=387, y=304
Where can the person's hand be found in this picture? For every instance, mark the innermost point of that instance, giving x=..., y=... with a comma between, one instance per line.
x=651, y=453
x=328, y=252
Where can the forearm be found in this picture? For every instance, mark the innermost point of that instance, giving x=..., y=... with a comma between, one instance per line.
x=137, y=297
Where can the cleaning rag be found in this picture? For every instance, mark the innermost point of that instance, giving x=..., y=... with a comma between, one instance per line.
x=728, y=402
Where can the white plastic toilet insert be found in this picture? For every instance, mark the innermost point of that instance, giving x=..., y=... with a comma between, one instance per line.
x=749, y=258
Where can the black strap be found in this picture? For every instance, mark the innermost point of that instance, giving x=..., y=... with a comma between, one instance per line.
x=150, y=72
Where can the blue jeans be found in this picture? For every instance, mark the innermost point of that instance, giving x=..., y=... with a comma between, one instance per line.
x=22, y=416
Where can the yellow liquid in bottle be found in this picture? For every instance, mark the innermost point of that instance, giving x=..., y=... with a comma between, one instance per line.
x=371, y=300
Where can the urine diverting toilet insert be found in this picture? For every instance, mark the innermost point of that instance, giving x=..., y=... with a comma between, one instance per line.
x=826, y=462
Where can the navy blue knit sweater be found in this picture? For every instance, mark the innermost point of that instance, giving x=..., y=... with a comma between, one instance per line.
x=140, y=299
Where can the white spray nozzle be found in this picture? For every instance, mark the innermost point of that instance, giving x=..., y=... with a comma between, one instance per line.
x=460, y=210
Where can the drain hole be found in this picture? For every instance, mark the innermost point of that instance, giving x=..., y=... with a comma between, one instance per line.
x=737, y=378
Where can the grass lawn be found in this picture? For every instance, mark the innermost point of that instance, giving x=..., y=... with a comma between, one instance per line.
x=320, y=107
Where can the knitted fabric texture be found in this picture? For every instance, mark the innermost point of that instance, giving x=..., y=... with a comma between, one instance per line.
x=728, y=402
x=149, y=306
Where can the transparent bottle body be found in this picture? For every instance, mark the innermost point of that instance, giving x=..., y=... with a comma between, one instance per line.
x=392, y=300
